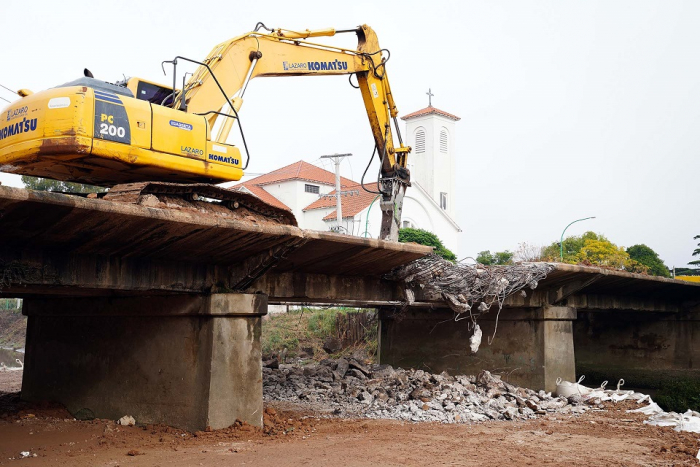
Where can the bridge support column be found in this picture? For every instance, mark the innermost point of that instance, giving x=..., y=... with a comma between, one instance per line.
x=531, y=347
x=186, y=361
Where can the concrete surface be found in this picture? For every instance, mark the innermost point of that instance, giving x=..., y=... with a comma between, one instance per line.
x=531, y=348
x=645, y=349
x=189, y=365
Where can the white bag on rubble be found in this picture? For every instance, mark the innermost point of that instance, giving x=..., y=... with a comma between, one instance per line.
x=475, y=339
x=566, y=388
x=651, y=409
x=600, y=393
x=689, y=421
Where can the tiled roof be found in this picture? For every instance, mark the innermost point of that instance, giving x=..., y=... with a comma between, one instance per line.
x=351, y=204
x=429, y=111
x=298, y=171
x=262, y=194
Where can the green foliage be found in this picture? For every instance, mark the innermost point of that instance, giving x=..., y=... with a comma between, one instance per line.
x=594, y=250
x=11, y=305
x=687, y=272
x=279, y=335
x=13, y=325
x=497, y=258
x=603, y=253
x=696, y=253
x=47, y=184
x=423, y=237
x=309, y=328
x=322, y=323
x=679, y=395
x=649, y=258
x=572, y=247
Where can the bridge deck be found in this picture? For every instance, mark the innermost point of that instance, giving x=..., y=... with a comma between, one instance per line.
x=73, y=225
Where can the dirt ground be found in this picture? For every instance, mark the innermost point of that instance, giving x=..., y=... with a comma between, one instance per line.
x=293, y=436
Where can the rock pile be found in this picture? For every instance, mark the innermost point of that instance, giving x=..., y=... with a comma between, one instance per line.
x=350, y=388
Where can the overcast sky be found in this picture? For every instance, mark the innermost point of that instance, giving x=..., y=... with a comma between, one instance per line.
x=568, y=109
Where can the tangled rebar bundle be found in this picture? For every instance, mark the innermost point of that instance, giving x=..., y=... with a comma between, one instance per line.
x=469, y=289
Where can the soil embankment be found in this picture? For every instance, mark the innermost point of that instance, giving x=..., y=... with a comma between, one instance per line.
x=13, y=329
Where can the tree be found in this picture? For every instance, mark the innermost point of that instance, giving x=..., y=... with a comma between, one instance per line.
x=649, y=258
x=47, y=184
x=696, y=253
x=572, y=247
x=528, y=253
x=498, y=258
x=423, y=237
x=687, y=272
x=594, y=250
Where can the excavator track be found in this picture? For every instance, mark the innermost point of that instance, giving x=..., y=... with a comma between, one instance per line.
x=201, y=198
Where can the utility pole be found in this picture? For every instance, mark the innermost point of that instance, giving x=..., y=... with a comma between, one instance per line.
x=337, y=158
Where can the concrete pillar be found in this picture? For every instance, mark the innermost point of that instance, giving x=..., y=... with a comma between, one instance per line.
x=186, y=361
x=646, y=349
x=531, y=347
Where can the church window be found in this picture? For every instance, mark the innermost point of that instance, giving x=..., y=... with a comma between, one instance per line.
x=443, y=141
x=311, y=188
x=443, y=201
x=420, y=140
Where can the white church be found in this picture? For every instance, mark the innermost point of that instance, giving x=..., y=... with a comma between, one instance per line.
x=308, y=191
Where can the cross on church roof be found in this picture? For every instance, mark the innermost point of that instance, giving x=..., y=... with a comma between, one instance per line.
x=430, y=97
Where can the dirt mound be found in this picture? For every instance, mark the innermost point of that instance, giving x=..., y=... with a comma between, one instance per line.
x=13, y=329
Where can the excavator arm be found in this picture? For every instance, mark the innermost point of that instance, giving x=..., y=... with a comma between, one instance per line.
x=221, y=80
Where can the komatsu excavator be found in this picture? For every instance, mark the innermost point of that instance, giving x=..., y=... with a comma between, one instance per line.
x=139, y=137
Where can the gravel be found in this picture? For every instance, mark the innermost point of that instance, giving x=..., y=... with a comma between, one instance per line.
x=349, y=388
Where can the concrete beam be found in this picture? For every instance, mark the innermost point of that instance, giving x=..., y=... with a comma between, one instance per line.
x=36, y=273
x=559, y=295
x=190, y=362
x=324, y=288
x=573, y=296
x=623, y=302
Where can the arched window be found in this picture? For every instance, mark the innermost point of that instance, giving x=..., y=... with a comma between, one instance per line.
x=443, y=140
x=420, y=140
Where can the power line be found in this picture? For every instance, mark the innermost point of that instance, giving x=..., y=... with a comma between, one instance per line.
x=13, y=92
x=5, y=100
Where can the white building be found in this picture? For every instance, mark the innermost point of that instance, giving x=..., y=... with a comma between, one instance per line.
x=428, y=204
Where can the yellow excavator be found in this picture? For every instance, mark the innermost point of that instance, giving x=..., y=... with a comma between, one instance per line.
x=139, y=137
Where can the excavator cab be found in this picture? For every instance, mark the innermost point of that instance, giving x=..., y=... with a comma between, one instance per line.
x=150, y=91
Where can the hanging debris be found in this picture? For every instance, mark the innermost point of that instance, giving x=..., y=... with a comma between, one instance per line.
x=468, y=288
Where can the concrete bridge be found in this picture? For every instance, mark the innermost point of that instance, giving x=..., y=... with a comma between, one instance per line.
x=605, y=324
x=157, y=313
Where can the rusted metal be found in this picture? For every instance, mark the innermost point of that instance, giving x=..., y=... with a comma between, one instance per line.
x=232, y=203
x=262, y=263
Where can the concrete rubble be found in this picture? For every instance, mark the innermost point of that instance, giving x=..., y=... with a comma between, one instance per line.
x=353, y=389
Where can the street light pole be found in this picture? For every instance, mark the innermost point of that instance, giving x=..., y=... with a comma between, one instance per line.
x=561, y=241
